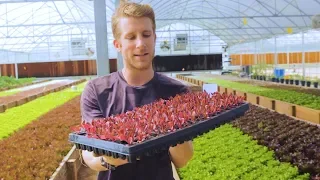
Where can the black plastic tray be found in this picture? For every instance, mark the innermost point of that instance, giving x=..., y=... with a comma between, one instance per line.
x=156, y=144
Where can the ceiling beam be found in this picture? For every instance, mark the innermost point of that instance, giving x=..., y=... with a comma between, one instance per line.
x=46, y=24
x=232, y=17
x=170, y=19
x=109, y=33
x=28, y=1
x=78, y=23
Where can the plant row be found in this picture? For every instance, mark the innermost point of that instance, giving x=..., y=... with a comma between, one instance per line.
x=287, y=81
x=8, y=93
x=311, y=91
x=227, y=154
x=35, y=151
x=292, y=140
x=18, y=117
x=302, y=99
x=160, y=117
x=13, y=90
x=11, y=82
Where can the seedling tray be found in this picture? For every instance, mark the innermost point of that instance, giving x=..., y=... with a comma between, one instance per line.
x=157, y=144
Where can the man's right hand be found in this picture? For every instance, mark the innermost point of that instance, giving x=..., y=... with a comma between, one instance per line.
x=113, y=161
x=94, y=161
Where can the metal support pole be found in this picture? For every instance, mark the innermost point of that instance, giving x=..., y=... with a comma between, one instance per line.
x=48, y=35
x=69, y=42
x=101, y=37
x=303, y=58
x=209, y=42
x=261, y=52
x=288, y=55
x=189, y=40
x=170, y=41
x=275, y=52
x=119, y=55
x=16, y=70
x=255, y=52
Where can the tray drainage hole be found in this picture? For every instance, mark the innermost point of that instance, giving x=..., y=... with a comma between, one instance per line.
x=122, y=156
x=109, y=153
x=78, y=146
x=96, y=151
x=83, y=147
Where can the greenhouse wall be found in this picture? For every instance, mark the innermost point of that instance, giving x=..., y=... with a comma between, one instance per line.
x=268, y=58
x=81, y=45
x=288, y=48
x=55, y=69
x=7, y=56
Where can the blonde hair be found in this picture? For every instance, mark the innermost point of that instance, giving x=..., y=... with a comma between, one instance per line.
x=131, y=9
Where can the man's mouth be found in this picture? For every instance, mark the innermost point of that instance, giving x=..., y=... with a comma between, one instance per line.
x=141, y=54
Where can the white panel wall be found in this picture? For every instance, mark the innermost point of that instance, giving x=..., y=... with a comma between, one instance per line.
x=58, y=48
x=8, y=57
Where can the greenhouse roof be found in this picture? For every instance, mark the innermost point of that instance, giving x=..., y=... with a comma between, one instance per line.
x=26, y=25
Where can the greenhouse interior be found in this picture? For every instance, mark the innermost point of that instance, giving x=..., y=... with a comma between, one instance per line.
x=251, y=111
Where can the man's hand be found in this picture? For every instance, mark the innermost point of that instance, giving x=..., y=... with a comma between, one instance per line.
x=94, y=162
x=181, y=154
x=113, y=161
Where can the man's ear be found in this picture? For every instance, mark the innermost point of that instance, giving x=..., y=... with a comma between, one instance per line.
x=155, y=37
x=117, y=45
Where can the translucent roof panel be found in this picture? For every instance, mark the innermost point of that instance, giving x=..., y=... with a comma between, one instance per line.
x=237, y=21
x=32, y=25
x=307, y=41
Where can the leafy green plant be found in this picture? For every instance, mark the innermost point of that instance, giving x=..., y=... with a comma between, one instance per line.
x=292, y=141
x=254, y=70
x=36, y=150
x=297, y=77
x=17, y=117
x=8, y=93
x=288, y=77
x=314, y=79
x=261, y=69
x=307, y=100
x=6, y=81
x=226, y=153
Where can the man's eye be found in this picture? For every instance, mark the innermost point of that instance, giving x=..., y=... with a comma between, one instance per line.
x=130, y=37
x=146, y=35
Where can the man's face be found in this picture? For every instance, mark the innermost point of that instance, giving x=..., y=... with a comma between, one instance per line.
x=136, y=42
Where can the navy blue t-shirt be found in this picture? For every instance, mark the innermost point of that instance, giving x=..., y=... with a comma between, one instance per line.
x=110, y=95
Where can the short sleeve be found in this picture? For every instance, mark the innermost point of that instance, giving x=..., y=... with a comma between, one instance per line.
x=89, y=104
x=185, y=89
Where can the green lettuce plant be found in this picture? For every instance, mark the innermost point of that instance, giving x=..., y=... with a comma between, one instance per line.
x=15, y=118
x=307, y=100
x=226, y=153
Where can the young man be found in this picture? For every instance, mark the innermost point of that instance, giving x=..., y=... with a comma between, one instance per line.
x=133, y=27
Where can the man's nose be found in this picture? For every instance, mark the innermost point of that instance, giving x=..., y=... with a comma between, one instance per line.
x=140, y=43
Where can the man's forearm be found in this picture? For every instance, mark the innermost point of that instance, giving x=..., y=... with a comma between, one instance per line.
x=181, y=154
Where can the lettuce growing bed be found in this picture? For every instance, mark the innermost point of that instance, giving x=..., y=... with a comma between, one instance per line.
x=227, y=153
x=15, y=118
x=307, y=100
x=293, y=141
x=160, y=125
x=36, y=149
x=9, y=82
